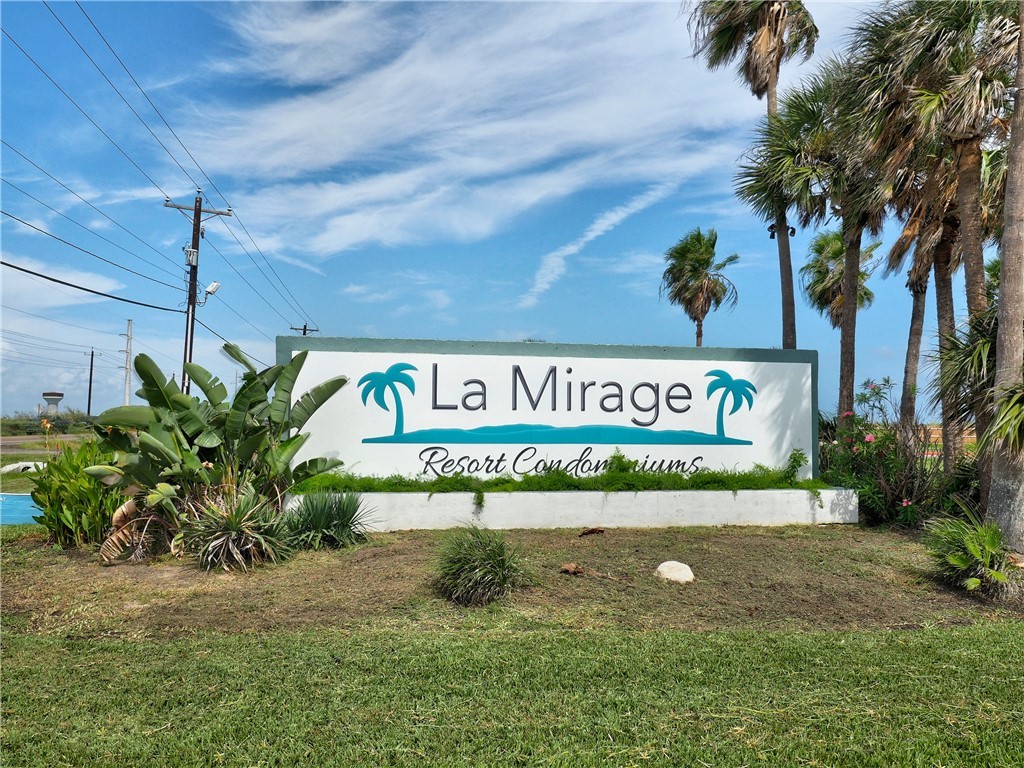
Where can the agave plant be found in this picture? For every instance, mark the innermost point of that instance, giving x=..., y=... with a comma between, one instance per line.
x=326, y=520
x=176, y=453
x=242, y=531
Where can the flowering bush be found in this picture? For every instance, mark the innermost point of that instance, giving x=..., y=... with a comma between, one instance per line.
x=888, y=465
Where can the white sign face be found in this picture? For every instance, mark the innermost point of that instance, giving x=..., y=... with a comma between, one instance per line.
x=515, y=409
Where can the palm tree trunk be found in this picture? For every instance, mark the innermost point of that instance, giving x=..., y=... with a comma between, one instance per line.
x=952, y=440
x=971, y=237
x=782, y=241
x=700, y=333
x=852, y=232
x=1006, y=492
x=908, y=398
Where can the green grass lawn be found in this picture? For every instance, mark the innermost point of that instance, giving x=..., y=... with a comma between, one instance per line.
x=795, y=646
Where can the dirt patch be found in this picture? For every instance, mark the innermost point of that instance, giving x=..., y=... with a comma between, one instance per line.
x=746, y=578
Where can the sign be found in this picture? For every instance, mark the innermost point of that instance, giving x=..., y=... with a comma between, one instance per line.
x=441, y=408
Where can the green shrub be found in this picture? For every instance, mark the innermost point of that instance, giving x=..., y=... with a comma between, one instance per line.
x=76, y=508
x=477, y=566
x=887, y=464
x=325, y=520
x=968, y=553
x=242, y=532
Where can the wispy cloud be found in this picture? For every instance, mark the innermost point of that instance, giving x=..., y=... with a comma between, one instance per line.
x=552, y=265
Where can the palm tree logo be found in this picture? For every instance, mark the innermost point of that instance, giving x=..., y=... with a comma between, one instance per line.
x=378, y=383
x=741, y=391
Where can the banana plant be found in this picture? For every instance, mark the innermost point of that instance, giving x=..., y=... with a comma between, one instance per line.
x=177, y=453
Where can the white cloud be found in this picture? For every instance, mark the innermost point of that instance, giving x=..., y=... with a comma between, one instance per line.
x=552, y=266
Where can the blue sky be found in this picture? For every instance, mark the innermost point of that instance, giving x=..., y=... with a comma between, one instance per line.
x=494, y=171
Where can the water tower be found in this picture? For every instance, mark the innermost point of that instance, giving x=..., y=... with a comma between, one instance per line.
x=52, y=400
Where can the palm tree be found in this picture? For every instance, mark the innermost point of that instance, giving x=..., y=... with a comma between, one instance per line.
x=813, y=155
x=693, y=279
x=740, y=390
x=761, y=34
x=822, y=276
x=949, y=66
x=378, y=383
x=1006, y=494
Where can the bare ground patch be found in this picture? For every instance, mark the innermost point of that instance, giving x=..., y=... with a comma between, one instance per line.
x=796, y=578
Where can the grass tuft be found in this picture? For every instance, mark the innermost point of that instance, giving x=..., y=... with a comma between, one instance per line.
x=477, y=567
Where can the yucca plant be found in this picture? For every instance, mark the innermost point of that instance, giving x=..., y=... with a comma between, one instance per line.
x=477, y=566
x=243, y=531
x=326, y=520
x=968, y=553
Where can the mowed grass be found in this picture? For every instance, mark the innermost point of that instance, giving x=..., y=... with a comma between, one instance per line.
x=795, y=646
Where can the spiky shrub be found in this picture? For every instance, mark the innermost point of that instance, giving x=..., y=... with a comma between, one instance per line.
x=76, y=508
x=477, y=566
x=327, y=520
x=242, y=531
x=968, y=553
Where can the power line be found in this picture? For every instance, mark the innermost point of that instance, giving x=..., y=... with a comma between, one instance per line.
x=88, y=229
x=84, y=113
x=90, y=290
x=22, y=334
x=247, y=354
x=244, y=319
x=124, y=66
x=117, y=224
x=115, y=89
x=59, y=322
x=246, y=281
x=83, y=250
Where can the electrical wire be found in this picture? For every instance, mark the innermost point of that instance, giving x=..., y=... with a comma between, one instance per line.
x=21, y=334
x=250, y=356
x=246, y=281
x=88, y=229
x=114, y=87
x=124, y=66
x=244, y=319
x=60, y=322
x=90, y=290
x=90, y=253
x=117, y=224
x=84, y=113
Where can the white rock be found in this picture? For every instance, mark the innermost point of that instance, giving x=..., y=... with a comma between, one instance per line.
x=675, y=571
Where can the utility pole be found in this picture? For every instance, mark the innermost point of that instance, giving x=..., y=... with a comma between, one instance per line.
x=88, y=402
x=192, y=262
x=128, y=364
x=305, y=329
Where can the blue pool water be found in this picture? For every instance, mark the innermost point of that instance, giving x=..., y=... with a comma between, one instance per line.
x=17, y=508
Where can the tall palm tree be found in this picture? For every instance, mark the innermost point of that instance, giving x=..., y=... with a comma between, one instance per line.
x=813, y=155
x=693, y=279
x=1006, y=495
x=822, y=276
x=949, y=65
x=761, y=34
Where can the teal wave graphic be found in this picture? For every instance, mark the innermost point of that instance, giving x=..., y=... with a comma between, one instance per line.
x=542, y=434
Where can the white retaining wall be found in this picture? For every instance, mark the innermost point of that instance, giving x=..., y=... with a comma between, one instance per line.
x=576, y=509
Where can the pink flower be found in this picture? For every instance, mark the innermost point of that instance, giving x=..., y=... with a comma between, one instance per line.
x=847, y=413
x=907, y=502
x=869, y=438
x=856, y=448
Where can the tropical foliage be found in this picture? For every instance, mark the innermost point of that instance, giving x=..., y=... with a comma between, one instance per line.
x=76, y=508
x=693, y=279
x=822, y=276
x=323, y=520
x=968, y=552
x=183, y=458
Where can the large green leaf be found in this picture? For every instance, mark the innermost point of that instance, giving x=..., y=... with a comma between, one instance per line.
x=157, y=449
x=127, y=417
x=235, y=353
x=283, y=388
x=280, y=457
x=209, y=438
x=234, y=427
x=313, y=467
x=156, y=390
x=308, y=404
x=211, y=386
x=248, y=447
x=105, y=471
